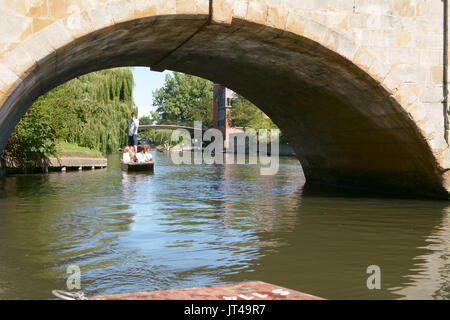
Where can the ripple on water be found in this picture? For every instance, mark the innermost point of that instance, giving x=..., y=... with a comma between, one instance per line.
x=187, y=226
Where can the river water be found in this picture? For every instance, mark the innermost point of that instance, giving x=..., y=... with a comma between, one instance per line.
x=201, y=225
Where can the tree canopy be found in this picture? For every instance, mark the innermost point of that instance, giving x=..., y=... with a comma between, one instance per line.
x=184, y=99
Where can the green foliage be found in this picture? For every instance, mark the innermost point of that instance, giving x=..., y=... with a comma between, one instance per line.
x=144, y=121
x=184, y=99
x=157, y=137
x=246, y=115
x=31, y=139
x=70, y=113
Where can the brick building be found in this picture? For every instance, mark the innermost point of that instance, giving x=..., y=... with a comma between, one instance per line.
x=222, y=104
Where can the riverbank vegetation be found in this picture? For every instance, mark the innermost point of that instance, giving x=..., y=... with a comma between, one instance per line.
x=70, y=114
x=156, y=137
x=69, y=150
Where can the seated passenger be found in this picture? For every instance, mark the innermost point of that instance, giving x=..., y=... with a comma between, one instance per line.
x=148, y=155
x=166, y=146
x=140, y=155
x=132, y=155
x=126, y=158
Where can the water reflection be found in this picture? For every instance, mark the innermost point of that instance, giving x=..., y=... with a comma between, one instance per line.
x=336, y=239
x=48, y=222
x=430, y=276
x=187, y=226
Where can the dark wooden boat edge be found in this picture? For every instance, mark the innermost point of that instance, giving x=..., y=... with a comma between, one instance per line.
x=137, y=167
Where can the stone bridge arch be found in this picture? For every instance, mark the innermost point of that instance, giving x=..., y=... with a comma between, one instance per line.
x=354, y=117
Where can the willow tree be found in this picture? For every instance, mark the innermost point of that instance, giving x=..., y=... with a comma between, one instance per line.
x=71, y=113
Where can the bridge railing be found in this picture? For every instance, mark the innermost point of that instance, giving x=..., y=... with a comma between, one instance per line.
x=174, y=123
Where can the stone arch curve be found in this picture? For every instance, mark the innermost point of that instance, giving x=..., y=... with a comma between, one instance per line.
x=345, y=111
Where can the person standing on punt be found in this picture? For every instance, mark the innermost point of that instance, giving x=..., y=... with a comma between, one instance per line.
x=133, y=127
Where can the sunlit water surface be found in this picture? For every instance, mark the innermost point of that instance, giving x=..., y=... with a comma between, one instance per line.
x=202, y=225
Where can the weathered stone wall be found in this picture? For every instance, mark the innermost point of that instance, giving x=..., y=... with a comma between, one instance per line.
x=356, y=84
x=406, y=37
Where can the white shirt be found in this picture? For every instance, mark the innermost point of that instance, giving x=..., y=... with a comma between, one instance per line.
x=148, y=156
x=126, y=158
x=132, y=129
x=140, y=157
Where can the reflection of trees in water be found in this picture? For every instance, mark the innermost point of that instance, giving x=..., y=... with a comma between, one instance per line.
x=260, y=203
x=48, y=222
x=131, y=187
x=21, y=185
x=334, y=240
x=433, y=278
x=218, y=213
x=132, y=183
x=232, y=202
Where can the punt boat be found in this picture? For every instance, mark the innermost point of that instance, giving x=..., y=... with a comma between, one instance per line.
x=138, y=167
x=256, y=290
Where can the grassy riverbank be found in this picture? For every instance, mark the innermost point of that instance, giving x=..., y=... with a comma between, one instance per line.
x=68, y=150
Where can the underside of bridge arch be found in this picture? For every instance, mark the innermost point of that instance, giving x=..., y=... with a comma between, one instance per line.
x=345, y=128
